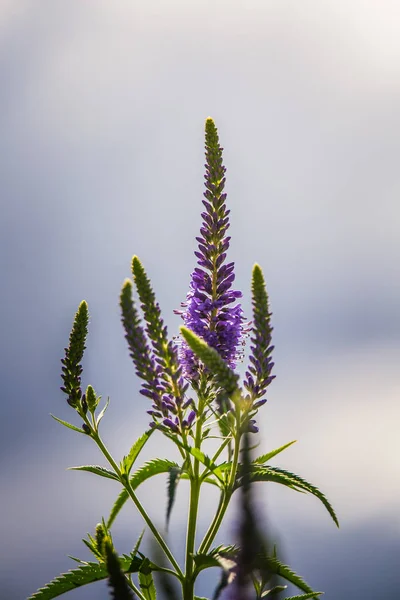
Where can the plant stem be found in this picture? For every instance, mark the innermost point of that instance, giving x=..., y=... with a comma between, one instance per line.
x=141, y=509
x=226, y=493
x=195, y=484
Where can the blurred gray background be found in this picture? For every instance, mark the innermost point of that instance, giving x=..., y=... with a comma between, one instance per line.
x=102, y=109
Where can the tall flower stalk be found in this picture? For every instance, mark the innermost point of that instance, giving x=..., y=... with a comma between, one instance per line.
x=195, y=395
x=210, y=309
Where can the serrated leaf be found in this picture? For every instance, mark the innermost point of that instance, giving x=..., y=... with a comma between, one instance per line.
x=217, y=557
x=278, y=568
x=267, y=473
x=66, y=424
x=173, y=480
x=146, y=581
x=97, y=470
x=149, y=469
x=137, y=545
x=129, y=460
x=87, y=573
x=102, y=412
x=305, y=596
x=266, y=457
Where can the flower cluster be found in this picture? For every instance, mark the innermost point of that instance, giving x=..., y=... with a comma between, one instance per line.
x=258, y=375
x=158, y=366
x=210, y=310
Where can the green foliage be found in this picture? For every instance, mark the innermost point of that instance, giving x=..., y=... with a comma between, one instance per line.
x=266, y=473
x=84, y=574
x=266, y=457
x=305, y=596
x=128, y=461
x=224, y=376
x=277, y=589
x=148, y=470
x=146, y=581
x=102, y=412
x=276, y=567
x=97, y=470
x=67, y=424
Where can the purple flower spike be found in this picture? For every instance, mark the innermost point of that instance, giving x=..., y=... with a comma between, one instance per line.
x=210, y=310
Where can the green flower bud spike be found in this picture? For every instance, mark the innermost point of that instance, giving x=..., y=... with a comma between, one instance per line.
x=91, y=399
x=72, y=369
x=117, y=581
x=224, y=375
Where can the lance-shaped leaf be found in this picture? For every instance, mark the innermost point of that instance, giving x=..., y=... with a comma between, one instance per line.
x=258, y=375
x=148, y=470
x=84, y=574
x=277, y=589
x=68, y=424
x=267, y=473
x=260, y=460
x=97, y=470
x=128, y=461
x=224, y=375
x=72, y=369
x=304, y=596
x=120, y=589
x=276, y=567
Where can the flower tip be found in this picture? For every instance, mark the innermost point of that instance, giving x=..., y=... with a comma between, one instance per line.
x=83, y=307
x=126, y=283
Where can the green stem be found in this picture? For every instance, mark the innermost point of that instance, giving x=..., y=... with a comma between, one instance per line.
x=226, y=493
x=136, y=501
x=135, y=589
x=195, y=484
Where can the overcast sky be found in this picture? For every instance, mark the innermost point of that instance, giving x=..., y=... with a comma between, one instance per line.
x=102, y=109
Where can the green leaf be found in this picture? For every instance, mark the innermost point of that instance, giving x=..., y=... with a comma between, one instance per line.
x=267, y=473
x=87, y=573
x=129, y=460
x=200, y=456
x=206, y=460
x=275, y=590
x=278, y=568
x=173, y=480
x=78, y=429
x=266, y=457
x=69, y=581
x=137, y=545
x=149, y=469
x=97, y=470
x=222, y=557
x=304, y=596
x=102, y=412
x=146, y=581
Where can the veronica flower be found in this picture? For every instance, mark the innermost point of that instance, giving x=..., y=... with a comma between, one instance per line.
x=210, y=309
